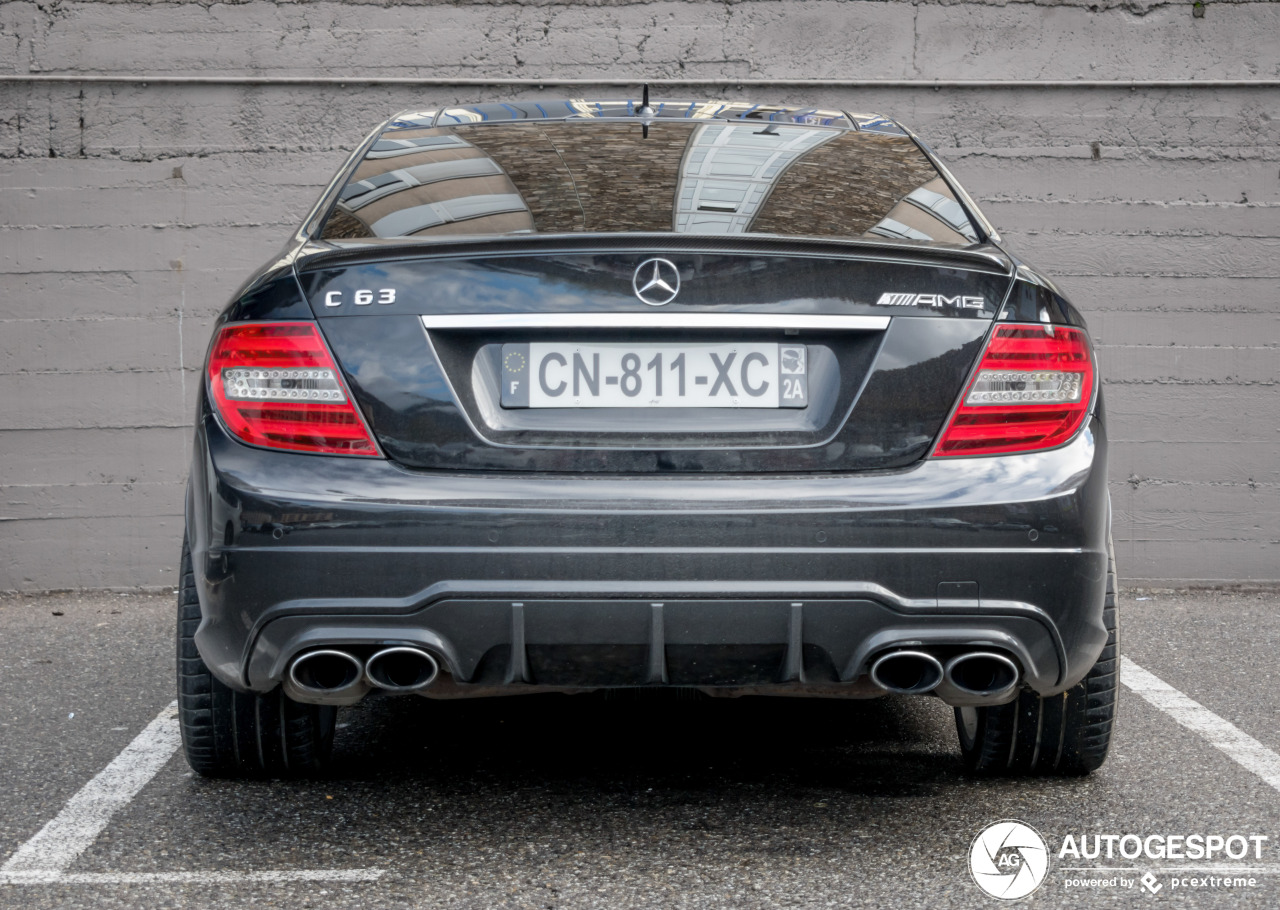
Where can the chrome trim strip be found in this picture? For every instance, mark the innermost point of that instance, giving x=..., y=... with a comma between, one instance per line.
x=653, y=321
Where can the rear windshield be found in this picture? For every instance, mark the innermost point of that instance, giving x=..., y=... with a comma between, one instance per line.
x=687, y=177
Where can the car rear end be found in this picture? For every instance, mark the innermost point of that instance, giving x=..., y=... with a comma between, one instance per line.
x=814, y=450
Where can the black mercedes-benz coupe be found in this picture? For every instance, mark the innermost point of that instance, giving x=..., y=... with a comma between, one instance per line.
x=577, y=395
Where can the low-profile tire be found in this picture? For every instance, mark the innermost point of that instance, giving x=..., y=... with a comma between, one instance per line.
x=1066, y=734
x=226, y=733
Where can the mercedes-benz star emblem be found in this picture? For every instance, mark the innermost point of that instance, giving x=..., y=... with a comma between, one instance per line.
x=656, y=282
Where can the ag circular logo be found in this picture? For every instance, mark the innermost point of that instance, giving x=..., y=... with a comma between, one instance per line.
x=1008, y=860
x=656, y=282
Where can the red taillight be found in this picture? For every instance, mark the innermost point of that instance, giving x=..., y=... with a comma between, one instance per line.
x=1031, y=391
x=275, y=384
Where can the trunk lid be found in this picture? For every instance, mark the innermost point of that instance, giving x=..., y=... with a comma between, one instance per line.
x=881, y=336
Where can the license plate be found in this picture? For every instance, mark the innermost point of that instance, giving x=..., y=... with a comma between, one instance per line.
x=624, y=375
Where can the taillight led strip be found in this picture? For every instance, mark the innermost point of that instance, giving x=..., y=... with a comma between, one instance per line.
x=1032, y=390
x=275, y=384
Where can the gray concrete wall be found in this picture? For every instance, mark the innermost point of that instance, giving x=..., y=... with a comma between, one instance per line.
x=129, y=214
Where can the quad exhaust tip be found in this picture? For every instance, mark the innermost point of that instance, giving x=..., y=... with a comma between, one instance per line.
x=326, y=673
x=907, y=672
x=982, y=674
x=402, y=669
x=971, y=678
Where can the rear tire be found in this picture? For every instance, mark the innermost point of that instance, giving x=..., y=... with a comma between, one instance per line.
x=1066, y=734
x=226, y=733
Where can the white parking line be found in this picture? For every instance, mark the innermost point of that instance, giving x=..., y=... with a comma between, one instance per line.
x=193, y=878
x=57, y=844
x=44, y=859
x=1225, y=736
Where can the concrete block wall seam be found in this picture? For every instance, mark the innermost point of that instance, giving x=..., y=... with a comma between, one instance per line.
x=662, y=37
x=129, y=214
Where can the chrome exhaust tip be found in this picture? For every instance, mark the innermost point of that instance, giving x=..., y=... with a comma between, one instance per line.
x=402, y=669
x=326, y=677
x=979, y=678
x=907, y=672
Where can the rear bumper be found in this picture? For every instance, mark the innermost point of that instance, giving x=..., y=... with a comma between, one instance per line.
x=586, y=581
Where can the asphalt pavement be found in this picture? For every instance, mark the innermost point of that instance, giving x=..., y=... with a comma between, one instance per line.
x=568, y=802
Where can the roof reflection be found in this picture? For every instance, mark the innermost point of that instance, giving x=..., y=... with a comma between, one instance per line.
x=580, y=109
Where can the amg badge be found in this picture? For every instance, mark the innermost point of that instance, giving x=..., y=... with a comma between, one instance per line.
x=933, y=300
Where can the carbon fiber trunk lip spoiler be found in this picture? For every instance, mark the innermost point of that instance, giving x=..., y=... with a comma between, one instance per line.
x=988, y=258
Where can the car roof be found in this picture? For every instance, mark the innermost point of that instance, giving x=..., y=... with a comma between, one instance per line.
x=631, y=108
